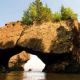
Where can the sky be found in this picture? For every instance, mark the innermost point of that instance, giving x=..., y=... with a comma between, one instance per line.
x=12, y=10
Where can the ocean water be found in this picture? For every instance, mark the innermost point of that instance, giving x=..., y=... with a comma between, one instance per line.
x=37, y=76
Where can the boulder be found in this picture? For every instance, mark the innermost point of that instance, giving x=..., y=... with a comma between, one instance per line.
x=17, y=61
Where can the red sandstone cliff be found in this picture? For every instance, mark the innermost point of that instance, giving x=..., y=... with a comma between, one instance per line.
x=36, y=37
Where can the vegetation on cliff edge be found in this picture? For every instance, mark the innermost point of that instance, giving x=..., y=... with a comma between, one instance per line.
x=39, y=13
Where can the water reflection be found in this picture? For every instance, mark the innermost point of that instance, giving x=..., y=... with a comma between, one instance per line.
x=14, y=76
x=37, y=76
x=22, y=76
x=51, y=76
x=34, y=76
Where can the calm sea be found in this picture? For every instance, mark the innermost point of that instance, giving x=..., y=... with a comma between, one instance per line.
x=37, y=76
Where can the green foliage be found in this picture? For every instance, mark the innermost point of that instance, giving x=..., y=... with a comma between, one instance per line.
x=37, y=12
x=30, y=15
x=39, y=6
x=64, y=14
x=57, y=16
x=67, y=13
x=46, y=14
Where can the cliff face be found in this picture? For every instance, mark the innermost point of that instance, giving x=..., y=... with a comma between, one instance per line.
x=50, y=37
x=46, y=37
x=9, y=34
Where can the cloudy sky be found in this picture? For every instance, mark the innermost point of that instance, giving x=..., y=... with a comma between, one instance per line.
x=12, y=10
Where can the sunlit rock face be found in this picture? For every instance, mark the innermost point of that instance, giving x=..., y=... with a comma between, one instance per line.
x=36, y=37
x=43, y=37
x=19, y=59
x=9, y=34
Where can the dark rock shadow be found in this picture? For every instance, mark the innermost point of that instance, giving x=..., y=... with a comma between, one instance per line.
x=59, y=59
x=7, y=53
x=63, y=43
x=36, y=47
x=35, y=44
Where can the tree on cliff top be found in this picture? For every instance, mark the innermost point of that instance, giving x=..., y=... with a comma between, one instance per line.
x=37, y=12
x=67, y=13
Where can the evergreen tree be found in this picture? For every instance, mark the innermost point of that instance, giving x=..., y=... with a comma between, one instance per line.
x=57, y=16
x=30, y=15
x=62, y=9
x=67, y=13
x=37, y=12
x=46, y=13
x=39, y=6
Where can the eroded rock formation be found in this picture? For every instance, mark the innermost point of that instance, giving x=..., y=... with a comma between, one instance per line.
x=17, y=34
x=51, y=42
x=17, y=61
